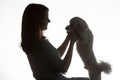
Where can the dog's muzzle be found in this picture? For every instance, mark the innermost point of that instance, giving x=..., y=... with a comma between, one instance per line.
x=68, y=28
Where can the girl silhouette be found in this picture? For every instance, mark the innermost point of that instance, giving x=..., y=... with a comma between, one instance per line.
x=45, y=60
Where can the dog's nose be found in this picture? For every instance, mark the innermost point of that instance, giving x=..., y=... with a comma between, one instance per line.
x=67, y=27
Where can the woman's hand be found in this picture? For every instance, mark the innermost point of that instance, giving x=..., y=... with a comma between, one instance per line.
x=72, y=34
x=73, y=37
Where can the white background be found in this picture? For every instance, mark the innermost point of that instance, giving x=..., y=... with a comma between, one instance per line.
x=102, y=16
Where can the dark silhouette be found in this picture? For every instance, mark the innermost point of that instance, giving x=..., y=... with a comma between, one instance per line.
x=85, y=48
x=45, y=60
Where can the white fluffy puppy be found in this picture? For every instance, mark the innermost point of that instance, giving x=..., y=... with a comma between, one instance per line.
x=85, y=48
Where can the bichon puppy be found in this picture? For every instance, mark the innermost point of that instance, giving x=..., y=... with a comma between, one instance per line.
x=85, y=48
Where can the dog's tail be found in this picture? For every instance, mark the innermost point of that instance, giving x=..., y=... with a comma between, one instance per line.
x=105, y=67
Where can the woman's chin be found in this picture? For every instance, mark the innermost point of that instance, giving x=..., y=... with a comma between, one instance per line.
x=45, y=28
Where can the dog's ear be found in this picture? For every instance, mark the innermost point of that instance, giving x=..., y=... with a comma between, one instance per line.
x=79, y=35
x=83, y=37
x=83, y=28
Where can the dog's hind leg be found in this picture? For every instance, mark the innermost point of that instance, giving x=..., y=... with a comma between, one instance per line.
x=90, y=62
x=91, y=65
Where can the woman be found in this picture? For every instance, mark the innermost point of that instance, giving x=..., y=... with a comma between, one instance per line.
x=44, y=59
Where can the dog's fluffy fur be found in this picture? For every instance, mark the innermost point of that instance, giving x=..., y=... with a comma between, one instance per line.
x=84, y=48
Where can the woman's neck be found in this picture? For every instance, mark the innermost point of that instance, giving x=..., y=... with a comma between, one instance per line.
x=41, y=36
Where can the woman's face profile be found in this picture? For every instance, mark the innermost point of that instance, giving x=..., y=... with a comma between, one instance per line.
x=45, y=21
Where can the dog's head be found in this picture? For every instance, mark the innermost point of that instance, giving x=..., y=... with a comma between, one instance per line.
x=76, y=25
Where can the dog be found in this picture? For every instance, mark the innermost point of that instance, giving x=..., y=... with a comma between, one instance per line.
x=84, y=46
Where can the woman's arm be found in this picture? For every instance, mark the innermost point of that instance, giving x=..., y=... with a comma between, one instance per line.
x=68, y=57
x=54, y=62
x=63, y=46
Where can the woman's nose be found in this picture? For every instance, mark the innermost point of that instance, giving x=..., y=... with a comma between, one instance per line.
x=48, y=20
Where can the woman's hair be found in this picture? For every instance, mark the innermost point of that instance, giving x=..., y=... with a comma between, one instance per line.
x=32, y=19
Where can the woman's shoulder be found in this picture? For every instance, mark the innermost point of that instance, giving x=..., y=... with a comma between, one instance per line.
x=43, y=42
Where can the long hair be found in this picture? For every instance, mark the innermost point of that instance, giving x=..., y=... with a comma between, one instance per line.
x=32, y=19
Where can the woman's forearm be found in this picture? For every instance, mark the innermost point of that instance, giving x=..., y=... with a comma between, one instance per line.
x=68, y=57
x=64, y=45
